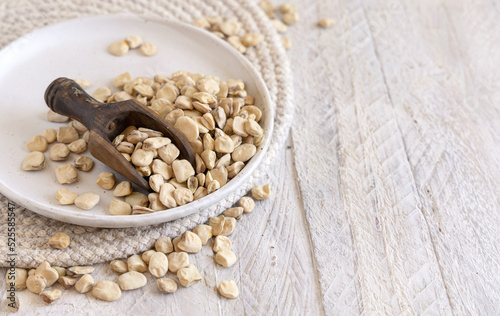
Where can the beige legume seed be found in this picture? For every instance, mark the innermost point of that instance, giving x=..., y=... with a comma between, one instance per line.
x=155, y=182
x=82, y=82
x=287, y=42
x=230, y=27
x=48, y=273
x=144, y=90
x=280, y=26
x=60, y=271
x=155, y=203
x=166, y=285
x=182, y=170
x=106, y=180
x=67, y=281
x=123, y=188
x=136, y=136
x=235, y=41
x=135, y=263
x=146, y=255
x=131, y=280
x=167, y=195
x=209, y=157
x=137, y=198
x=56, y=117
x=251, y=39
x=229, y=226
x=66, y=174
x=204, y=232
x=80, y=128
x=175, y=241
x=197, y=146
x=34, y=161
x=138, y=210
x=80, y=270
x=36, y=283
x=208, y=85
x=160, y=167
x=153, y=143
x=50, y=135
x=107, y=291
x=213, y=186
x=118, y=207
x=20, y=276
x=84, y=163
x=120, y=80
x=221, y=243
x=223, y=161
x=158, y=264
x=133, y=41
x=188, y=127
x=229, y=289
x=118, y=266
x=142, y=158
x=37, y=143
x=88, y=200
x=224, y=144
x=59, y=240
x=164, y=244
x=225, y=258
x=261, y=192
x=234, y=169
x=85, y=284
x=239, y=126
x=199, y=193
x=247, y=203
x=59, y=152
x=177, y=260
x=217, y=224
x=119, y=48
x=202, y=23
x=220, y=175
x=125, y=147
x=66, y=197
x=168, y=153
x=214, y=19
x=66, y=134
x=50, y=296
x=190, y=243
x=234, y=212
x=253, y=128
x=244, y=152
x=184, y=103
x=189, y=275
x=121, y=96
x=78, y=146
x=102, y=94
x=290, y=18
x=183, y=196
x=267, y=7
x=326, y=22
x=148, y=49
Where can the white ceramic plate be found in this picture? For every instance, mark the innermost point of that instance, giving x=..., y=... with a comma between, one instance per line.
x=78, y=49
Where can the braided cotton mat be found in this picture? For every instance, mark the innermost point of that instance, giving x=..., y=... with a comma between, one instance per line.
x=93, y=245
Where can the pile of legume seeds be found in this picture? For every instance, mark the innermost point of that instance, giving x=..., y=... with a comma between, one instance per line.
x=168, y=261
x=217, y=117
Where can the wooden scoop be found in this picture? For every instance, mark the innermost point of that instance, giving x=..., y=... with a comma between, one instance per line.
x=105, y=121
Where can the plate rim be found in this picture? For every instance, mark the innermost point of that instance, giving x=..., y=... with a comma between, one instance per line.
x=169, y=215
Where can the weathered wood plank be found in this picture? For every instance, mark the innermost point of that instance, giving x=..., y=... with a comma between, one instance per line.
x=444, y=90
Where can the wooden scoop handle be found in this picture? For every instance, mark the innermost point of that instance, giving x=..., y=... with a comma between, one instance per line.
x=66, y=97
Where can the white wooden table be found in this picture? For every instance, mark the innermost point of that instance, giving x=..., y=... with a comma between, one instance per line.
x=387, y=196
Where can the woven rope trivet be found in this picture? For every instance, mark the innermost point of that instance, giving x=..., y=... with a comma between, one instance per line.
x=94, y=245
